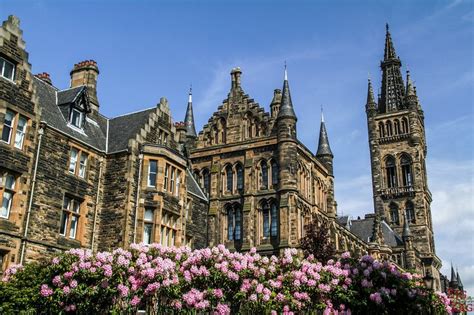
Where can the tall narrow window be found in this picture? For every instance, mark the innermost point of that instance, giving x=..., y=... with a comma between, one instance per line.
x=152, y=171
x=405, y=163
x=20, y=132
x=148, y=226
x=274, y=173
x=240, y=177
x=274, y=220
x=266, y=219
x=410, y=212
x=230, y=223
x=82, y=165
x=234, y=222
x=169, y=228
x=264, y=178
x=404, y=125
x=229, y=178
x=165, y=183
x=391, y=172
x=7, y=69
x=397, y=127
x=178, y=182
x=223, y=130
x=389, y=128
x=206, y=177
x=7, y=196
x=73, y=160
x=70, y=217
x=172, y=179
x=8, y=126
x=381, y=130
x=394, y=214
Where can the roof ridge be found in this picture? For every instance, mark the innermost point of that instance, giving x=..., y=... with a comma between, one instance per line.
x=46, y=84
x=131, y=113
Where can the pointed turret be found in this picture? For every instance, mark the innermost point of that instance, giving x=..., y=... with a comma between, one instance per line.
x=410, y=90
x=324, y=153
x=286, y=107
x=189, y=118
x=461, y=286
x=371, y=105
x=393, y=89
x=454, y=279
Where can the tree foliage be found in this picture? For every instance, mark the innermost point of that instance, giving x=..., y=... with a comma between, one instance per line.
x=317, y=241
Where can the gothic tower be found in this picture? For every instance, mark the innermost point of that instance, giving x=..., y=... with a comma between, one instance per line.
x=398, y=150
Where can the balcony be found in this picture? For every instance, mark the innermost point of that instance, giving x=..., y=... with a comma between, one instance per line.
x=395, y=192
x=399, y=137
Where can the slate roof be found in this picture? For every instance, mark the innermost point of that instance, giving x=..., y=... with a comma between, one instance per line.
x=193, y=187
x=93, y=133
x=123, y=128
x=69, y=95
x=363, y=228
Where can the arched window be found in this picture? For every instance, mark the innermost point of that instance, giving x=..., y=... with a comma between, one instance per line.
x=397, y=127
x=381, y=130
x=264, y=178
x=240, y=177
x=223, y=130
x=407, y=177
x=274, y=173
x=404, y=125
x=229, y=178
x=394, y=218
x=206, y=178
x=234, y=222
x=410, y=212
x=389, y=128
x=391, y=172
x=274, y=219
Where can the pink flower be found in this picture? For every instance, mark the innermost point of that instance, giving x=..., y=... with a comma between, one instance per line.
x=346, y=255
x=73, y=284
x=66, y=290
x=376, y=297
x=135, y=301
x=55, y=261
x=123, y=290
x=218, y=293
x=222, y=309
x=253, y=297
x=45, y=290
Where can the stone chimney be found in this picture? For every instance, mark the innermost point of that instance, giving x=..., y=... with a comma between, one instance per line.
x=45, y=77
x=86, y=73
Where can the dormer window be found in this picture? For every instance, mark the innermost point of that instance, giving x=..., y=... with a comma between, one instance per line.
x=76, y=118
x=7, y=69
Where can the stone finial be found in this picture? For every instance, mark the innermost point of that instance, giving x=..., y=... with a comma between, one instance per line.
x=235, y=75
x=45, y=77
x=14, y=21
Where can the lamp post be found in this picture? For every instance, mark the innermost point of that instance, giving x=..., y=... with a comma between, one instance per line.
x=429, y=281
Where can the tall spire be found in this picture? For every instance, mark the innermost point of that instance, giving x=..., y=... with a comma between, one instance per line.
x=410, y=90
x=370, y=96
x=454, y=278
x=393, y=89
x=389, y=52
x=323, y=145
x=189, y=119
x=459, y=279
x=286, y=108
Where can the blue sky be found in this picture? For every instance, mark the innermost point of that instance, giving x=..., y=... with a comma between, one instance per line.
x=149, y=49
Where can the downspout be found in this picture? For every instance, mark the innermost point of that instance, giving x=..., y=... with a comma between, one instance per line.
x=30, y=202
x=140, y=157
x=96, y=203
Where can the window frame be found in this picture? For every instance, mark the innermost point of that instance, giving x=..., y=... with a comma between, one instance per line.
x=2, y=69
x=148, y=223
x=69, y=224
x=165, y=181
x=169, y=226
x=263, y=175
x=234, y=217
x=7, y=190
x=150, y=181
x=13, y=132
x=20, y=133
x=71, y=117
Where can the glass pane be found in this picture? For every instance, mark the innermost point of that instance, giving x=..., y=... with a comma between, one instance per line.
x=73, y=161
x=8, y=70
x=6, y=204
x=10, y=182
x=153, y=166
x=148, y=214
x=20, y=132
x=76, y=206
x=76, y=118
x=264, y=175
x=7, y=126
x=240, y=178
x=238, y=225
x=72, y=231
x=147, y=232
x=229, y=179
x=63, y=224
x=274, y=173
x=266, y=222
x=274, y=220
x=230, y=225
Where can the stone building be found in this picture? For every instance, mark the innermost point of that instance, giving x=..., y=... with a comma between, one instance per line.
x=71, y=177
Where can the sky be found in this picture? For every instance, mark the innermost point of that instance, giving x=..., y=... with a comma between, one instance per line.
x=149, y=49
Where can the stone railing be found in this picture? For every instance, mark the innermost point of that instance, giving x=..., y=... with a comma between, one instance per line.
x=397, y=191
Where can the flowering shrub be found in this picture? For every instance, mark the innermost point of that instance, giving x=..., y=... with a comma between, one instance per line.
x=217, y=281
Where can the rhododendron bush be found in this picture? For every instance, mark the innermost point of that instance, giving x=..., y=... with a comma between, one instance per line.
x=217, y=281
